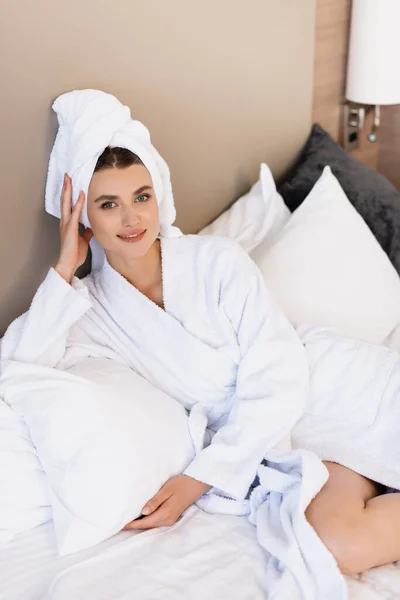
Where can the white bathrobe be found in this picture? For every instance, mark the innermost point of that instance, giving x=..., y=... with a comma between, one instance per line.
x=224, y=350
x=220, y=347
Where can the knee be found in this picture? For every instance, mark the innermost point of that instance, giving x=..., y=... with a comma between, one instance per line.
x=343, y=538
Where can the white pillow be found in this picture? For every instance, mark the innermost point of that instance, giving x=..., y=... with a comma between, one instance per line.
x=24, y=497
x=107, y=440
x=259, y=214
x=393, y=339
x=325, y=267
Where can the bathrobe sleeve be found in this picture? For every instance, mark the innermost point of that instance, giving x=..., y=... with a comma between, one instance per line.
x=271, y=385
x=40, y=334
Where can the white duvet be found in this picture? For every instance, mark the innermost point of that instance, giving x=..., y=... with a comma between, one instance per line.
x=203, y=557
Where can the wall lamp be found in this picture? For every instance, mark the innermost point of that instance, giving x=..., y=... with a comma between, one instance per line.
x=373, y=68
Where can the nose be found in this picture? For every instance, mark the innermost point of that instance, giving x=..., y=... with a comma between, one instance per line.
x=130, y=217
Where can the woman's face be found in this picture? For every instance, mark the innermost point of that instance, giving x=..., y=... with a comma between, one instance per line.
x=121, y=203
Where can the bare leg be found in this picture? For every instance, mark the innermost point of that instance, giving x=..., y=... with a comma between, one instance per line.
x=358, y=525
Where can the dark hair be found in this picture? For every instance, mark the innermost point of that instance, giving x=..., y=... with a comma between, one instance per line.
x=116, y=158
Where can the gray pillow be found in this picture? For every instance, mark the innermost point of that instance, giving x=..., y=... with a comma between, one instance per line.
x=371, y=194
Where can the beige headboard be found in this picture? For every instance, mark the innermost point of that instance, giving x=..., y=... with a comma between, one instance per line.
x=222, y=85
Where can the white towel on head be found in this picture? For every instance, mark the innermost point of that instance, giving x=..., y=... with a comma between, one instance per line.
x=89, y=121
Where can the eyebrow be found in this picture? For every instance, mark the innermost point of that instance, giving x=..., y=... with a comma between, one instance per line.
x=111, y=197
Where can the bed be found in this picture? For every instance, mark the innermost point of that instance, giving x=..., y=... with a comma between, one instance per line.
x=264, y=64
x=202, y=548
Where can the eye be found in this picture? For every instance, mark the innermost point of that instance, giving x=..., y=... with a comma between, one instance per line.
x=106, y=203
x=143, y=197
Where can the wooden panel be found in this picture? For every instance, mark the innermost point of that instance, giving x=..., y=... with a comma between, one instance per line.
x=332, y=37
x=331, y=41
x=389, y=135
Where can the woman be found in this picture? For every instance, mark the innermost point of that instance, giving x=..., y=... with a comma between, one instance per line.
x=123, y=212
x=203, y=328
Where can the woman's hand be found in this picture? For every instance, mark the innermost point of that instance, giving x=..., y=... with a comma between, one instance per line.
x=172, y=500
x=74, y=247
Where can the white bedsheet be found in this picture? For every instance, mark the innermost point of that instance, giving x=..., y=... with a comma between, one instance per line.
x=203, y=556
x=29, y=562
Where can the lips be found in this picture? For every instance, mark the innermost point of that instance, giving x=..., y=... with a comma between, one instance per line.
x=134, y=232
x=133, y=237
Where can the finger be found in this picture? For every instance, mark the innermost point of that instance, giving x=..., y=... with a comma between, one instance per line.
x=66, y=199
x=155, y=502
x=76, y=211
x=156, y=519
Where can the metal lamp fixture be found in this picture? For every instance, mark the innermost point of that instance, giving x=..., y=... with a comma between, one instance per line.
x=373, y=70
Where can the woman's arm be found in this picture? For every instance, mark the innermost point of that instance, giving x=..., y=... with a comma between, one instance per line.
x=271, y=387
x=40, y=335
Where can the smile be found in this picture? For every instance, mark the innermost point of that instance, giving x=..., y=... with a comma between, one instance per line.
x=134, y=237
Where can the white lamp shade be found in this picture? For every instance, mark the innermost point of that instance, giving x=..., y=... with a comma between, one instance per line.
x=373, y=73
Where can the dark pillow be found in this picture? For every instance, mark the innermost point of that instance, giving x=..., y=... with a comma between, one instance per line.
x=371, y=194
